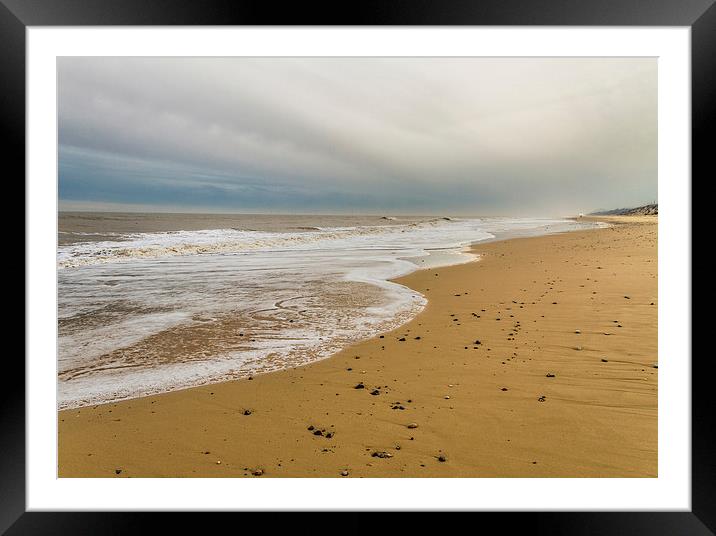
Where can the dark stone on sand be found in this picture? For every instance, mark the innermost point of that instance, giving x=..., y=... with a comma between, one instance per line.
x=117, y=471
x=359, y=386
x=247, y=412
x=318, y=432
x=382, y=337
x=380, y=454
x=402, y=339
x=503, y=389
x=627, y=297
x=344, y=473
x=605, y=360
x=257, y=472
x=311, y=428
x=550, y=375
x=442, y=458
x=542, y=398
x=477, y=342
x=417, y=338
x=329, y=435
x=375, y=392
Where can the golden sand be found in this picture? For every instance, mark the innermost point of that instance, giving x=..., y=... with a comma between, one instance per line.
x=562, y=383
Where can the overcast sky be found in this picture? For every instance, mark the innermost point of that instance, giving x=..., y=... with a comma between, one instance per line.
x=462, y=136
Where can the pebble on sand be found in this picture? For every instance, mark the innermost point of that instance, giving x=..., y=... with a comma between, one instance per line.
x=344, y=473
x=412, y=425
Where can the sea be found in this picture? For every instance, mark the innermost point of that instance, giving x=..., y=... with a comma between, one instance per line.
x=150, y=303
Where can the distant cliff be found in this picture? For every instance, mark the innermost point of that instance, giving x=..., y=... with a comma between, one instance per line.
x=646, y=210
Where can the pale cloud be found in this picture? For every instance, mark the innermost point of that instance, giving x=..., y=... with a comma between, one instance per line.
x=459, y=135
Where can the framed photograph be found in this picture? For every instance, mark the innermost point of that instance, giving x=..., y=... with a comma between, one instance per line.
x=407, y=260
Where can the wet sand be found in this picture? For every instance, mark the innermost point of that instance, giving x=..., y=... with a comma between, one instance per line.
x=562, y=383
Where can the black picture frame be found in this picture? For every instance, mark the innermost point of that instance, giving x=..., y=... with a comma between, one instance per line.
x=699, y=15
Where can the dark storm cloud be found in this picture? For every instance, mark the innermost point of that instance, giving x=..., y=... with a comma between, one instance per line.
x=470, y=135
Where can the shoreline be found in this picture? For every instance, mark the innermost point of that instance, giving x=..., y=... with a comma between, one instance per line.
x=148, y=382
x=186, y=432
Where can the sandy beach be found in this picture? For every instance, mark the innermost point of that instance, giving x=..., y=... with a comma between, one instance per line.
x=538, y=360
